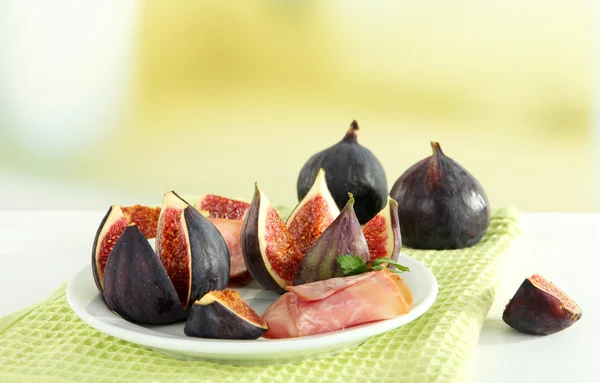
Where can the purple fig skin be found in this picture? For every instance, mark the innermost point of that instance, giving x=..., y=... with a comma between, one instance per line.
x=251, y=247
x=136, y=285
x=440, y=204
x=537, y=312
x=343, y=237
x=349, y=167
x=94, y=267
x=210, y=256
x=216, y=321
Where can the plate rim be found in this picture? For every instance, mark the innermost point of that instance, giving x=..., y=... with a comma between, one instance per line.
x=225, y=347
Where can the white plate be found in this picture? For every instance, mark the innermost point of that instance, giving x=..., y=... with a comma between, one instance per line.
x=87, y=303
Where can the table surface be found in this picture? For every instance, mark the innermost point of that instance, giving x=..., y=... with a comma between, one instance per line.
x=39, y=251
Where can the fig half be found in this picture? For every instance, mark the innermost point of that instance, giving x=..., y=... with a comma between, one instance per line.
x=269, y=249
x=109, y=231
x=191, y=249
x=224, y=315
x=540, y=308
x=350, y=168
x=382, y=233
x=313, y=214
x=343, y=237
x=136, y=285
x=440, y=204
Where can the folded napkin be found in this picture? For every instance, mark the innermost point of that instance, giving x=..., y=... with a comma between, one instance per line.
x=47, y=342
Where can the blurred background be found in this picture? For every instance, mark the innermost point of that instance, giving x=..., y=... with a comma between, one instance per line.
x=119, y=101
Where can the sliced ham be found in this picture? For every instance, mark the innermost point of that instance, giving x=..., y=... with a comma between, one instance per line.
x=231, y=230
x=337, y=303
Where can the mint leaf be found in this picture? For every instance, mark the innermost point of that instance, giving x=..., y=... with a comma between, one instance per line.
x=352, y=264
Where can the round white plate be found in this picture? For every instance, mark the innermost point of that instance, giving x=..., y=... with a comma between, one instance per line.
x=87, y=303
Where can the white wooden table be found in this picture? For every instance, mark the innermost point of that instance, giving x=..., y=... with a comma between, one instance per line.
x=39, y=251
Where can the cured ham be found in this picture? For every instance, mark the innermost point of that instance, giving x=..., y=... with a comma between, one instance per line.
x=231, y=230
x=337, y=303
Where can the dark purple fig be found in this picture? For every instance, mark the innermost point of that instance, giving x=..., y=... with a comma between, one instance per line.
x=440, y=204
x=136, y=285
x=350, y=168
x=224, y=315
x=191, y=249
x=109, y=231
x=269, y=249
x=540, y=308
x=343, y=237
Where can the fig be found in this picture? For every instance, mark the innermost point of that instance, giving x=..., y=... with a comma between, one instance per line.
x=268, y=248
x=224, y=315
x=540, y=308
x=109, y=231
x=222, y=207
x=313, y=214
x=440, y=204
x=343, y=237
x=136, y=285
x=231, y=230
x=350, y=168
x=191, y=249
x=382, y=233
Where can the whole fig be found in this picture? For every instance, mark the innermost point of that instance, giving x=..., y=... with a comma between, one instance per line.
x=349, y=168
x=440, y=204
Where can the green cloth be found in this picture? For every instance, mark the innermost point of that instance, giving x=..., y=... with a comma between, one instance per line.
x=48, y=343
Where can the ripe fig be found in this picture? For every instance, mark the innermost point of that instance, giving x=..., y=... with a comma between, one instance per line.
x=109, y=231
x=231, y=230
x=440, y=204
x=136, y=285
x=383, y=233
x=313, y=214
x=269, y=249
x=191, y=249
x=224, y=315
x=350, y=168
x=343, y=237
x=540, y=308
x=222, y=207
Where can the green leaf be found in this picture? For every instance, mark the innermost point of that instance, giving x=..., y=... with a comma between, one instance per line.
x=352, y=264
x=398, y=267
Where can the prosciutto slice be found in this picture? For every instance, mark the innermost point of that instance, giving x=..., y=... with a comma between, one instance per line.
x=337, y=303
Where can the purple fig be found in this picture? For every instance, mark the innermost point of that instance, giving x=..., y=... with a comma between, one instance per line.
x=540, y=308
x=343, y=237
x=136, y=285
x=440, y=204
x=224, y=315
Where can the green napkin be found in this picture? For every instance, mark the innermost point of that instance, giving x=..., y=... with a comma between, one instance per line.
x=48, y=343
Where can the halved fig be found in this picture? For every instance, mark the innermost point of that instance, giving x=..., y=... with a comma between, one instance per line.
x=269, y=249
x=145, y=217
x=231, y=230
x=136, y=285
x=313, y=214
x=382, y=233
x=224, y=315
x=343, y=237
x=223, y=207
x=540, y=308
x=191, y=249
x=109, y=231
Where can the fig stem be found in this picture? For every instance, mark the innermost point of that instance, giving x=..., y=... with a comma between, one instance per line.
x=351, y=133
x=437, y=149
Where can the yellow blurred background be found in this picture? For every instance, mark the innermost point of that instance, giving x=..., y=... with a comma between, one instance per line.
x=210, y=96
